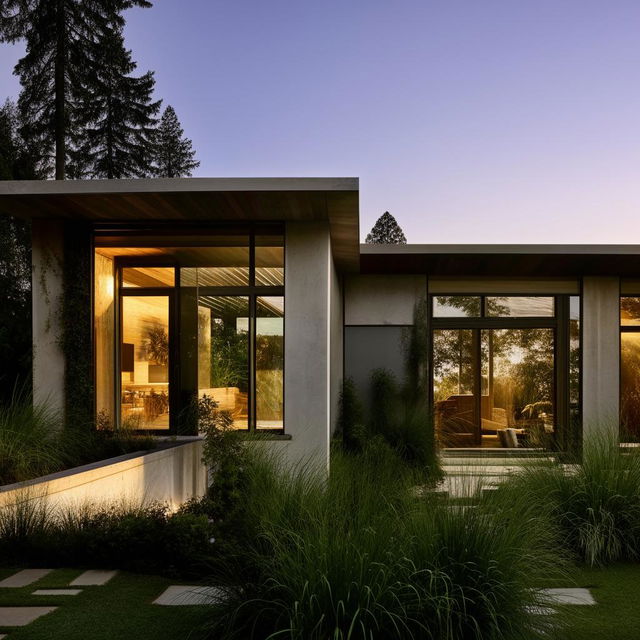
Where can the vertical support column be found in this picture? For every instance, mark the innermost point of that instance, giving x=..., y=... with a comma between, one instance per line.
x=307, y=342
x=601, y=356
x=47, y=278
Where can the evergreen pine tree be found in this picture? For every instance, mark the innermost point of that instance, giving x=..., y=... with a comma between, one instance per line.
x=116, y=113
x=57, y=33
x=174, y=154
x=17, y=158
x=386, y=231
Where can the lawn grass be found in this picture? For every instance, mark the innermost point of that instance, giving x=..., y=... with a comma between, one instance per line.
x=120, y=609
x=616, y=590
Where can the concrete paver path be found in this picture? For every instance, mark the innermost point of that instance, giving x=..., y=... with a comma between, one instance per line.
x=20, y=616
x=56, y=592
x=24, y=578
x=93, y=577
x=184, y=595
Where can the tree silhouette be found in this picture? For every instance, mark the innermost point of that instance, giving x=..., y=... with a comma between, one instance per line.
x=175, y=157
x=386, y=231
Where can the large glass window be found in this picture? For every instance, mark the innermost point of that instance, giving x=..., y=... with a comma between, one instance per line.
x=223, y=354
x=144, y=362
x=203, y=316
x=630, y=369
x=270, y=362
x=496, y=381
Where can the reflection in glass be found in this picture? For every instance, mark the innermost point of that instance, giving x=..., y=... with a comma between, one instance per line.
x=456, y=306
x=104, y=341
x=517, y=385
x=630, y=387
x=220, y=266
x=144, y=362
x=574, y=362
x=519, y=306
x=270, y=362
x=629, y=311
x=148, y=277
x=269, y=261
x=223, y=354
x=453, y=387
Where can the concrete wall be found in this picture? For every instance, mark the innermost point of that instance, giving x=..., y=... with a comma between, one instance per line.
x=381, y=300
x=337, y=344
x=170, y=476
x=48, y=359
x=601, y=355
x=307, y=342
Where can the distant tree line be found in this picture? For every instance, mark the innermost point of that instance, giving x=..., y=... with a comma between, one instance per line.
x=83, y=112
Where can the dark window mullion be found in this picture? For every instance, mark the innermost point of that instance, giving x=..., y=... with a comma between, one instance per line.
x=252, y=363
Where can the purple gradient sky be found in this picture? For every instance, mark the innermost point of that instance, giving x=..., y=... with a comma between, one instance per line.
x=492, y=121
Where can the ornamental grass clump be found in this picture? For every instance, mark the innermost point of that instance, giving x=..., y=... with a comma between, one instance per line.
x=357, y=555
x=596, y=503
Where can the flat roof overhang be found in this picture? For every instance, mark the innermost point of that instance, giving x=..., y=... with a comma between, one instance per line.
x=335, y=200
x=519, y=260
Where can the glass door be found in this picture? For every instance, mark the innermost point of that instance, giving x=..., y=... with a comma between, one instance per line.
x=145, y=361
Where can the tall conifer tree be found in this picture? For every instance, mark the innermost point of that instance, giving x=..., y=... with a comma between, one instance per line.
x=57, y=34
x=175, y=156
x=386, y=231
x=116, y=113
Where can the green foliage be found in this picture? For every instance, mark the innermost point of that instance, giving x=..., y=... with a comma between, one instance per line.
x=356, y=556
x=229, y=349
x=351, y=427
x=223, y=453
x=174, y=153
x=386, y=230
x=596, y=504
x=33, y=441
x=77, y=326
x=115, y=111
x=147, y=539
x=56, y=67
x=15, y=306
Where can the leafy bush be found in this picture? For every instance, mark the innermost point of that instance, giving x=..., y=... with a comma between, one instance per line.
x=351, y=427
x=596, y=503
x=359, y=557
x=146, y=539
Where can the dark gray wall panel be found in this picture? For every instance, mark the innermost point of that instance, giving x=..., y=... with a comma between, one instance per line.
x=369, y=348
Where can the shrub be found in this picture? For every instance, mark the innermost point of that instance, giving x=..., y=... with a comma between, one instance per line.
x=28, y=439
x=596, y=503
x=351, y=423
x=358, y=557
x=146, y=539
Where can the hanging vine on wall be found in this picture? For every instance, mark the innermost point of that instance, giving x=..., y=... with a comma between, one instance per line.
x=76, y=326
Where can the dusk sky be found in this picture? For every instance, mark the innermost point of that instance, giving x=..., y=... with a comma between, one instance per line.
x=475, y=121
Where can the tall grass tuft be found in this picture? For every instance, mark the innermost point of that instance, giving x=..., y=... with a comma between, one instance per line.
x=358, y=556
x=28, y=439
x=596, y=503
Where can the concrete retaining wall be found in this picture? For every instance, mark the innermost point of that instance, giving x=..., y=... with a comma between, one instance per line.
x=170, y=475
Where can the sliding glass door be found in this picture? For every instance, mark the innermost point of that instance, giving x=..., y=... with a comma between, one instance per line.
x=504, y=368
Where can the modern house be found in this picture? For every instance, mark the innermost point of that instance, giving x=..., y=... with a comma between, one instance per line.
x=148, y=294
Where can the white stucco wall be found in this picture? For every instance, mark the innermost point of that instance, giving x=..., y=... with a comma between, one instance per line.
x=337, y=344
x=307, y=342
x=48, y=359
x=382, y=300
x=170, y=476
x=601, y=355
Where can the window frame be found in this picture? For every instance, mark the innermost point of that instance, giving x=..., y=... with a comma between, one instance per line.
x=133, y=236
x=559, y=323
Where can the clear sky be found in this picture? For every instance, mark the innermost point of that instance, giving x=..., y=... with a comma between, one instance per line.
x=470, y=121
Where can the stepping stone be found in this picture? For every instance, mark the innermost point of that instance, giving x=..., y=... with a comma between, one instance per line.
x=56, y=592
x=24, y=578
x=20, y=616
x=181, y=595
x=569, y=596
x=92, y=577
